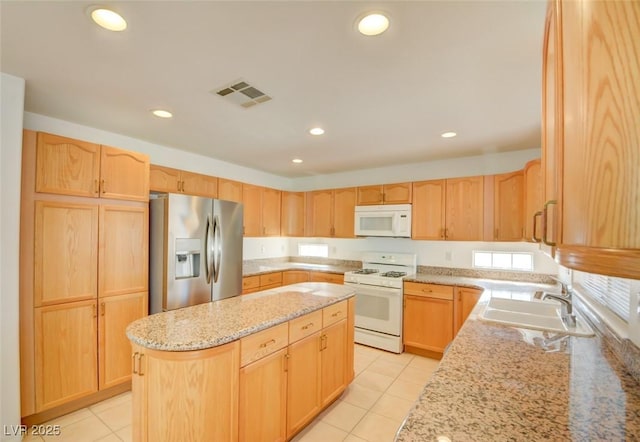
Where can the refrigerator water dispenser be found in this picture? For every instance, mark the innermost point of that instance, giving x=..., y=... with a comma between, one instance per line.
x=187, y=258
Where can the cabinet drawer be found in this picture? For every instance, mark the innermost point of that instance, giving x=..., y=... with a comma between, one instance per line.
x=263, y=343
x=334, y=313
x=429, y=290
x=335, y=278
x=305, y=325
x=271, y=278
x=250, y=282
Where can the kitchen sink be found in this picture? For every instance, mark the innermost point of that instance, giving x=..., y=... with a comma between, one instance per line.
x=534, y=315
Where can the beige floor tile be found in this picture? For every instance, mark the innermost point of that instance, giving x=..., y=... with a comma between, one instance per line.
x=111, y=402
x=361, y=362
x=360, y=396
x=422, y=362
x=111, y=437
x=71, y=418
x=353, y=438
x=373, y=380
x=416, y=375
x=89, y=429
x=405, y=390
x=343, y=415
x=117, y=417
x=376, y=428
x=368, y=351
x=393, y=407
x=319, y=431
x=386, y=368
x=31, y=438
x=126, y=434
x=401, y=359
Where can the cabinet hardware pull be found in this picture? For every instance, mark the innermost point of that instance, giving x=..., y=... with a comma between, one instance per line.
x=323, y=342
x=178, y=185
x=102, y=309
x=496, y=235
x=95, y=311
x=269, y=342
x=336, y=314
x=103, y=186
x=545, y=222
x=183, y=185
x=308, y=326
x=96, y=186
x=286, y=362
x=140, y=373
x=133, y=363
x=427, y=290
x=535, y=226
x=446, y=233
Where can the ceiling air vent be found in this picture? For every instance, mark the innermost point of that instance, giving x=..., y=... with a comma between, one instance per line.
x=242, y=93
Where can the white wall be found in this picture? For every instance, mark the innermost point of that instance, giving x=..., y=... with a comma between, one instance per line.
x=271, y=247
x=161, y=155
x=11, y=111
x=456, y=254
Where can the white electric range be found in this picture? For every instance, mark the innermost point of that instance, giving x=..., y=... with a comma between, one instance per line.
x=378, y=287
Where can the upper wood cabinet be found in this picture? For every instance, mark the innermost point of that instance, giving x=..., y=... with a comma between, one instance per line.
x=533, y=200
x=464, y=208
x=72, y=167
x=331, y=213
x=428, y=210
x=597, y=155
x=508, y=204
x=166, y=179
x=292, y=216
x=261, y=211
x=398, y=193
x=229, y=190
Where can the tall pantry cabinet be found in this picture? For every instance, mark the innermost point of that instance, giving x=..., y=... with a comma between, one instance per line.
x=83, y=270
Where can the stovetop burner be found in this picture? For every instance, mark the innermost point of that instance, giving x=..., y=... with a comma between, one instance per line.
x=365, y=271
x=393, y=274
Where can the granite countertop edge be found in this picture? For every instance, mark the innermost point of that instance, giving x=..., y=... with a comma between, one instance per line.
x=262, y=269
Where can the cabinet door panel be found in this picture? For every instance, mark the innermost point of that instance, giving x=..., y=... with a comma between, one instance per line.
x=428, y=210
x=303, y=373
x=465, y=300
x=199, y=185
x=124, y=174
x=114, y=349
x=294, y=276
x=123, y=250
x=270, y=212
x=534, y=200
x=334, y=361
x=292, y=218
x=464, y=209
x=67, y=166
x=164, y=179
x=65, y=255
x=252, y=198
x=369, y=195
x=65, y=353
x=320, y=213
x=263, y=399
x=344, y=212
x=230, y=190
x=428, y=322
x=397, y=193
x=508, y=206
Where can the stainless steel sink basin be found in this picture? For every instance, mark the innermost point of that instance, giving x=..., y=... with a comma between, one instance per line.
x=534, y=315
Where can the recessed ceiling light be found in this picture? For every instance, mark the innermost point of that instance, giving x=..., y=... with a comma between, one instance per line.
x=108, y=19
x=448, y=134
x=374, y=23
x=162, y=113
x=296, y=160
x=316, y=131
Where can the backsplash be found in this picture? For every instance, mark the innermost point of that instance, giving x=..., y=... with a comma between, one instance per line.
x=539, y=278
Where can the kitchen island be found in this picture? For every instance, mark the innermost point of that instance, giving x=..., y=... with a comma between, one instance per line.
x=503, y=383
x=262, y=364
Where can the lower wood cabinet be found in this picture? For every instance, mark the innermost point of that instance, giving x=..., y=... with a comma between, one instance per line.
x=333, y=361
x=294, y=276
x=265, y=281
x=465, y=300
x=335, y=278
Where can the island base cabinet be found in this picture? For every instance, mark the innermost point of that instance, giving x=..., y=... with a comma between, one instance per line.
x=190, y=395
x=263, y=399
x=333, y=356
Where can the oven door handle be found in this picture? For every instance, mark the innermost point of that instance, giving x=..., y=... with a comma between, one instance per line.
x=374, y=290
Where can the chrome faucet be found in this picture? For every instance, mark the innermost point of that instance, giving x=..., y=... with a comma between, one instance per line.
x=566, y=307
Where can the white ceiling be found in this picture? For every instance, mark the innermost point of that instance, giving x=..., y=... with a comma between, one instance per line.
x=470, y=67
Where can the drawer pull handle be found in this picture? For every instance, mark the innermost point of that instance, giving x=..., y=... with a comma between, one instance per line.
x=133, y=362
x=427, y=290
x=308, y=326
x=338, y=313
x=269, y=342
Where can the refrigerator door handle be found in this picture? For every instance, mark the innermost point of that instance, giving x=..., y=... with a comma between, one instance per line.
x=208, y=249
x=217, y=248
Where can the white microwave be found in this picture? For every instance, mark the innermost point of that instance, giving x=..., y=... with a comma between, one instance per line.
x=392, y=220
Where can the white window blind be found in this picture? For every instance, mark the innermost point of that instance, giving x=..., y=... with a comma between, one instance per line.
x=613, y=293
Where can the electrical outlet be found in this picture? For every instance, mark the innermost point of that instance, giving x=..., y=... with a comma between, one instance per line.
x=447, y=255
x=262, y=249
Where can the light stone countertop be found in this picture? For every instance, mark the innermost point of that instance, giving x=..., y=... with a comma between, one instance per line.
x=502, y=383
x=252, y=269
x=216, y=323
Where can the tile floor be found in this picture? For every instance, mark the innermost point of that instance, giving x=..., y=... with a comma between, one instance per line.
x=371, y=409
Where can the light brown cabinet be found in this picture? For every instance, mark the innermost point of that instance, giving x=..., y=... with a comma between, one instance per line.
x=465, y=299
x=72, y=167
x=261, y=211
x=186, y=395
x=304, y=382
x=335, y=278
x=398, y=193
x=271, y=205
x=333, y=361
x=292, y=218
x=331, y=213
x=508, y=205
x=428, y=210
x=166, y=179
x=265, y=281
x=229, y=190
x=294, y=276
x=428, y=318
x=464, y=209
x=533, y=200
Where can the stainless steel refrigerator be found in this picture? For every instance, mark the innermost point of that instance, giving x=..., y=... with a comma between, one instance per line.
x=195, y=249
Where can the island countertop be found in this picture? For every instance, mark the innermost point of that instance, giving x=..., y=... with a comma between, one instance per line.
x=503, y=383
x=219, y=322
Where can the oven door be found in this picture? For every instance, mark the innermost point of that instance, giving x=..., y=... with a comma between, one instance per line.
x=378, y=308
